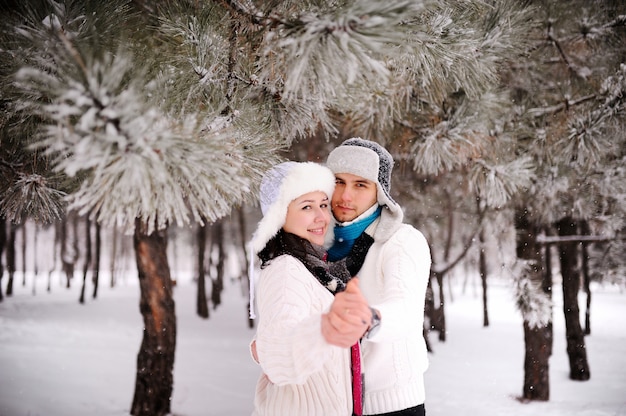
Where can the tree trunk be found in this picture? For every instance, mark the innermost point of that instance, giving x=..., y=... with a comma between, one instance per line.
x=536, y=363
x=538, y=340
x=3, y=241
x=547, y=288
x=217, y=239
x=155, y=360
x=242, y=235
x=11, y=257
x=95, y=279
x=55, y=255
x=113, y=257
x=482, y=264
x=24, y=242
x=585, y=230
x=439, y=317
x=576, y=350
x=429, y=306
x=69, y=246
x=202, y=306
x=35, y=256
x=87, y=258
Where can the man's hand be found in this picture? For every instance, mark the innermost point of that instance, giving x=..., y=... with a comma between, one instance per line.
x=348, y=318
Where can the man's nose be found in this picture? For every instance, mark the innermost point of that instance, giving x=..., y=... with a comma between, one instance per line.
x=346, y=194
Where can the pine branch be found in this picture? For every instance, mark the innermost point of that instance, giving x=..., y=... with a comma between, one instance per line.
x=32, y=196
x=562, y=106
x=542, y=239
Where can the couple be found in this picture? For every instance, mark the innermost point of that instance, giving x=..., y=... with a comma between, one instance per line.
x=340, y=310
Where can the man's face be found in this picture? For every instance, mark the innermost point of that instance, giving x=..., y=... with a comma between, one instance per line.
x=353, y=196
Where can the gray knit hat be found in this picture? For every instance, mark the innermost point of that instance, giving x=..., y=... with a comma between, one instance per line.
x=368, y=160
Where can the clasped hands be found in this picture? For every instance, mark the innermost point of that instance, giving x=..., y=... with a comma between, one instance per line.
x=349, y=317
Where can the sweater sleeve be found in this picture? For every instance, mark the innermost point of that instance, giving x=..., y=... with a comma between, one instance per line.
x=405, y=266
x=289, y=339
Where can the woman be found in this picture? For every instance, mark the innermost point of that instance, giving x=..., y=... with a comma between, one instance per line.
x=304, y=330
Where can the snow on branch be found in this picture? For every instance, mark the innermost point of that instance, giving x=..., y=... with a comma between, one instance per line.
x=497, y=184
x=138, y=162
x=32, y=196
x=594, y=135
x=328, y=51
x=532, y=302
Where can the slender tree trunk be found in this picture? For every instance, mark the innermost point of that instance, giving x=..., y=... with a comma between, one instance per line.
x=24, y=243
x=35, y=256
x=482, y=265
x=241, y=219
x=217, y=239
x=547, y=288
x=69, y=246
x=585, y=230
x=55, y=255
x=429, y=306
x=155, y=360
x=87, y=258
x=438, y=314
x=202, y=306
x=63, y=246
x=96, y=265
x=537, y=340
x=3, y=241
x=576, y=350
x=11, y=267
x=113, y=257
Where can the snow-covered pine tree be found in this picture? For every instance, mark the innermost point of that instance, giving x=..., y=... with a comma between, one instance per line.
x=449, y=137
x=568, y=91
x=547, y=142
x=160, y=113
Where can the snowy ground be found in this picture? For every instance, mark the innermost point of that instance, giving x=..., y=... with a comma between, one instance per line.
x=60, y=358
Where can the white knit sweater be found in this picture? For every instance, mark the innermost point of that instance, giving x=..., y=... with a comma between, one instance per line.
x=393, y=279
x=302, y=374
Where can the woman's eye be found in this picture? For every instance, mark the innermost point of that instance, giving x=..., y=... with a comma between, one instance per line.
x=324, y=205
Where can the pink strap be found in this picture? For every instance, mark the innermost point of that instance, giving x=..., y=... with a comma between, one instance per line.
x=357, y=387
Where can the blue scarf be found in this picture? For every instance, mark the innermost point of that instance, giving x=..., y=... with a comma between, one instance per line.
x=346, y=235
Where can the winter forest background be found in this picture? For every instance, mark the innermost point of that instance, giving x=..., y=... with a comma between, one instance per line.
x=133, y=135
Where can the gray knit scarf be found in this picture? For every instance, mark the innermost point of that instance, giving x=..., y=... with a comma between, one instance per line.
x=333, y=276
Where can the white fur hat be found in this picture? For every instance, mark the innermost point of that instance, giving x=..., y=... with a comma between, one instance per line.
x=281, y=185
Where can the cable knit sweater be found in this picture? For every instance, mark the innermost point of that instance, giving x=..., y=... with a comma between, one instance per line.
x=302, y=374
x=393, y=279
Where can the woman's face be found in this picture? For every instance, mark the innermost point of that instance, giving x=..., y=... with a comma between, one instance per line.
x=308, y=217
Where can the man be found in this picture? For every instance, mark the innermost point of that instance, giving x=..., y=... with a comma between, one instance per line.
x=393, y=277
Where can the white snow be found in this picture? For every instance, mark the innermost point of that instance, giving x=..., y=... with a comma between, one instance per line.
x=61, y=358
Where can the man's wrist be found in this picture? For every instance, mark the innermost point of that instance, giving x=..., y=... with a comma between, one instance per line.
x=374, y=324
